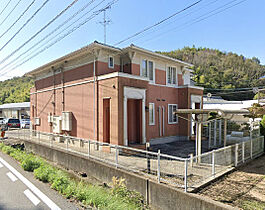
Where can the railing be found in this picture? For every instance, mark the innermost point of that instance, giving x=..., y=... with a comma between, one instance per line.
x=186, y=173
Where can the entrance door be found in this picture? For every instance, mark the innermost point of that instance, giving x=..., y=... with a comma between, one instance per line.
x=106, y=120
x=134, y=117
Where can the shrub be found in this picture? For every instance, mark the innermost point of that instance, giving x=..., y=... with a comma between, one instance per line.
x=70, y=190
x=60, y=182
x=7, y=149
x=1, y=145
x=30, y=163
x=45, y=173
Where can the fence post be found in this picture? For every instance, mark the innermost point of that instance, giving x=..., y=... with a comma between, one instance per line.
x=191, y=160
x=213, y=163
x=262, y=143
x=243, y=151
x=39, y=137
x=210, y=135
x=236, y=155
x=148, y=158
x=158, y=166
x=251, y=148
x=186, y=175
x=88, y=148
x=225, y=131
x=116, y=156
x=215, y=133
x=67, y=143
x=220, y=132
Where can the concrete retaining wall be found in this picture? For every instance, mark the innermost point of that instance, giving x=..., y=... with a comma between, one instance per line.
x=159, y=196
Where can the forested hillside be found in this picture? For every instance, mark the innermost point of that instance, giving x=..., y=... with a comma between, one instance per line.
x=221, y=73
x=15, y=90
x=228, y=75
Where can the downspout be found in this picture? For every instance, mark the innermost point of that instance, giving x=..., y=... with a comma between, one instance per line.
x=94, y=100
x=53, y=103
x=163, y=118
x=159, y=120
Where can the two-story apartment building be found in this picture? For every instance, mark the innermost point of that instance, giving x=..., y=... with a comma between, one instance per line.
x=121, y=96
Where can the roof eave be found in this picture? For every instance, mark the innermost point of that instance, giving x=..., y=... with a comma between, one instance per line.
x=158, y=55
x=71, y=56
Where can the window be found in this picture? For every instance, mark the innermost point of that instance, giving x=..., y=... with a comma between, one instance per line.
x=148, y=69
x=172, y=75
x=151, y=114
x=144, y=68
x=111, y=62
x=172, y=118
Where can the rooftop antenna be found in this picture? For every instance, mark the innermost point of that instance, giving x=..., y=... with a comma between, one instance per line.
x=105, y=22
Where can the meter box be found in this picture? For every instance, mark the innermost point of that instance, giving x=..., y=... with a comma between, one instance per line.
x=36, y=121
x=57, y=124
x=67, y=121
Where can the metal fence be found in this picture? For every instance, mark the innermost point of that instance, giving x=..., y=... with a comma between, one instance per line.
x=186, y=173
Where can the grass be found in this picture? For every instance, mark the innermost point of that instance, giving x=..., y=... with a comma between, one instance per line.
x=251, y=205
x=115, y=197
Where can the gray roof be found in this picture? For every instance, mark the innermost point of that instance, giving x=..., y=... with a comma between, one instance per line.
x=15, y=105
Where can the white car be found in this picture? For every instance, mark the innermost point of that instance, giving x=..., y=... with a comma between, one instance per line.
x=24, y=123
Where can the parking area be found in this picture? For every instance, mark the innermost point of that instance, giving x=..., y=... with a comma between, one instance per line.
x=180, y=148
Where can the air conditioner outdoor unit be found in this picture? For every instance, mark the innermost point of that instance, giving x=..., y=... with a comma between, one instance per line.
x=57, y=124
x=66, y=121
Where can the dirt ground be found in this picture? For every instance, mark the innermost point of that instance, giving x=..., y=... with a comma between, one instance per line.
x=244, y=188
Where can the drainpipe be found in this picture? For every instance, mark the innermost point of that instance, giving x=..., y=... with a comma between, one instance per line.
x=94, y=100
x=163, y=120
x=159, y=116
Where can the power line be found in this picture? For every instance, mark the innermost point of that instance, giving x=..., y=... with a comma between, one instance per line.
x=56, y=29
x=42, y=29
x=65, y=35
x=189, y=23
x=18, y=18
x=179, y=18
x=24, y=25
x=10, y=12
x=158, y=23
x=5, y=7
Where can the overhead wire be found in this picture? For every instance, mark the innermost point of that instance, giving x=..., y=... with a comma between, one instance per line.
x=179, y=18
x=158, y=23
x=22, y=14
x=10, y=12
x=38, y=32
x=78, y=27
x=24, y=25
x=5, y=7
x=194, y=21
x=52, y=32
x=65, y=35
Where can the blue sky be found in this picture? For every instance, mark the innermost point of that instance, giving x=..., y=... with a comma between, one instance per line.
x=239, y=29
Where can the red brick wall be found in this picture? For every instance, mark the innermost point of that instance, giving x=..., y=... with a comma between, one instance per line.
x=180, y=80
x=160, y=77
x=135, y=69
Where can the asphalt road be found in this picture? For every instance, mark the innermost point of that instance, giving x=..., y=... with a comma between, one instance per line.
x=19, y=189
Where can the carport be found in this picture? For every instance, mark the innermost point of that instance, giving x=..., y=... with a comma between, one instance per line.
x=202, y=118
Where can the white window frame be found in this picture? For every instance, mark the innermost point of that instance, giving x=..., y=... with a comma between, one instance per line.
x=111, y=67
x=152, y=104
x=171, y=84
x=172, y=113
x=147, y=69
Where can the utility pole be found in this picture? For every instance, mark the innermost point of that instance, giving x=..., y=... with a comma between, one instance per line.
x=105, y=22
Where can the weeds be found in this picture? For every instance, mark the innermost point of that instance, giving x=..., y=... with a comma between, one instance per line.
x=115, y=198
